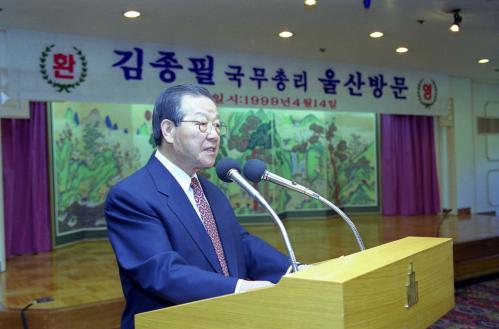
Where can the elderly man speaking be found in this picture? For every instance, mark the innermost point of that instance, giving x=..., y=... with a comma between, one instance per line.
x=175, y=234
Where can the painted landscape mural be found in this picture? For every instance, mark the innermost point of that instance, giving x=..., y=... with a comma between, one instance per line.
x=96, y=145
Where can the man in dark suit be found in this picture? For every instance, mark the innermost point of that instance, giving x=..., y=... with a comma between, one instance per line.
x=175, y=234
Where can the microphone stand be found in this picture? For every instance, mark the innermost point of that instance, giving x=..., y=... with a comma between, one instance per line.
x=235, y=176
x=345, y=218
x=301, y=189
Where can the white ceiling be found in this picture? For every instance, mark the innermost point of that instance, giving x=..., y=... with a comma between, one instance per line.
x=341, y=27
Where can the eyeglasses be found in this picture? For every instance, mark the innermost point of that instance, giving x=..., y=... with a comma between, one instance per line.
x=206, y=126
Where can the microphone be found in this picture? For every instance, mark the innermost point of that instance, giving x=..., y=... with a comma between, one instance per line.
x=229, y=170
x=255, y=170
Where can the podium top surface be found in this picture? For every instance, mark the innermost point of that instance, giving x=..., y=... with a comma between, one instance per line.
x=346, y=268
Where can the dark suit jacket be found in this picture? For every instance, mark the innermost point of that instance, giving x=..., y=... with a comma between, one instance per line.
x=165, y=257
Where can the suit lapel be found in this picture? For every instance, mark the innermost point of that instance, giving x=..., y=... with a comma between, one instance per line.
x=180, y=205
x=218, y=208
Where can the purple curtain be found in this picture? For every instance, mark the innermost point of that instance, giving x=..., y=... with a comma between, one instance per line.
x=25, y=178
x=408, y=166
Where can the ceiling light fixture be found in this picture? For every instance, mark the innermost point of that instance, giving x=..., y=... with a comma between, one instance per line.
x=131, y=14
x=285, y=34
x=376, y=34
x=456, y=25
x=483, y=61
x=402, y=50
x=310, y=2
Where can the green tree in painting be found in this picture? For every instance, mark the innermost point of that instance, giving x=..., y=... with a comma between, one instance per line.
x=345, y=162
x=253, y=135
x=250, y=137
x=352, y=176
x=307, y=152
x=87, y=164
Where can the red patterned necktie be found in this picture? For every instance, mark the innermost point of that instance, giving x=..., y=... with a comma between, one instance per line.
x=209, y=223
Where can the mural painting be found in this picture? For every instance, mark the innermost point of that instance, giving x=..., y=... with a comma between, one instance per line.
x=96, y=145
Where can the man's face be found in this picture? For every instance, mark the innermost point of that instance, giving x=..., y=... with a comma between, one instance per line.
x=192, y=149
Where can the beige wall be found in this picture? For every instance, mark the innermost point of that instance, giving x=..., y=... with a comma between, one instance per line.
x=464, y=169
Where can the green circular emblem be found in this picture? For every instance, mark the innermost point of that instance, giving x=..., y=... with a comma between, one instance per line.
x=60, y=87
x=427, y=92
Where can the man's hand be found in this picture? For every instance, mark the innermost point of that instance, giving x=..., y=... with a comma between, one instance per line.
x=246, y=285
x=303, y=266
x=300, y=267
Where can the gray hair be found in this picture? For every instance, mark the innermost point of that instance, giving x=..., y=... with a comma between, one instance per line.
x=168, y=106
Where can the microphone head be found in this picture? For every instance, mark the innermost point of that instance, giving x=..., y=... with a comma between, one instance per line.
x=224, y=166
x=254, y=170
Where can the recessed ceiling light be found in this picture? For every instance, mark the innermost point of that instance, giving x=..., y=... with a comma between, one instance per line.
x=376, y=34
x=286, y=34
x=483, y=60
x=401, y=50
x=454, y=28
x=131, y=14
x=310, y=2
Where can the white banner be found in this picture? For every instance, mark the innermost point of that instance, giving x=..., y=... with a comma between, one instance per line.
x=65, y=67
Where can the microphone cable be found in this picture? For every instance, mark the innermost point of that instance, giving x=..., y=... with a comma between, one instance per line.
x=31, y=303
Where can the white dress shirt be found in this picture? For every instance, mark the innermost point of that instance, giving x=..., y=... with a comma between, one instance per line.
x=181, y=177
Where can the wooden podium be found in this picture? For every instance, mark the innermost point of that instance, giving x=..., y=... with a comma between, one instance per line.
x=405, y=284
